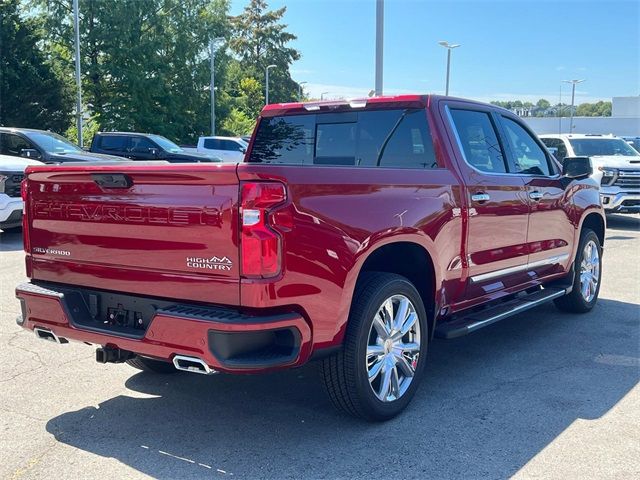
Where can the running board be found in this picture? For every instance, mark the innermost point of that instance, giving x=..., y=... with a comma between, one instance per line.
x=477, y=320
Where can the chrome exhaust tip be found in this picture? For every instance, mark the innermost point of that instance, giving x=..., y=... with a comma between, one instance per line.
x=192, y=364
x=46, y=334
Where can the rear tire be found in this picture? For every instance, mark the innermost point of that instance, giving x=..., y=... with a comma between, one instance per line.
x=587, y=276
x=376, y=373
x=149, y=365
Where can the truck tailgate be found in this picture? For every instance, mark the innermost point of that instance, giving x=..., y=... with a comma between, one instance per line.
x=168, y=231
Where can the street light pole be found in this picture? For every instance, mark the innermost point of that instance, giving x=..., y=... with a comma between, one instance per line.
x=300, y=90
x=322, y=95
x=76, y=27
x=449, y=47
x=214, y=44
x=379, y=45
x=266, y=87
x=573, y=97
x=560, y=112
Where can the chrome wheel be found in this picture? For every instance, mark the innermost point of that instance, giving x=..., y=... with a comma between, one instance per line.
x=393, y=348
x=589, y=271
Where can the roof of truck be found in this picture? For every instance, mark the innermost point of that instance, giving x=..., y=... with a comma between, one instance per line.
x=352, y=103
x=398, y=101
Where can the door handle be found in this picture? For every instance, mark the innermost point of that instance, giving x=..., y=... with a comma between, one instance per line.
x=535, y=195
x=480, y=197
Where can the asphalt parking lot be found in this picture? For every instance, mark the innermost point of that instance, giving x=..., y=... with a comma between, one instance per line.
x=544, y=394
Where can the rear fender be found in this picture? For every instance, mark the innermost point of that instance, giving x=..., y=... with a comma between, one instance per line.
x=373, y=244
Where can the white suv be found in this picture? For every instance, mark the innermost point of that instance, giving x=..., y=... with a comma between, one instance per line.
x=11, y=175
x=616, y=166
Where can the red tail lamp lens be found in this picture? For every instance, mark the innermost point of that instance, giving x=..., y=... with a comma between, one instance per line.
x=260, y=245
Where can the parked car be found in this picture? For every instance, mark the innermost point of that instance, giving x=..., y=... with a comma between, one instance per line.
x=11, y=175
x=47, y=147
x=352, y=233
x=145, y=146
x=616, y=167
x=229, y=149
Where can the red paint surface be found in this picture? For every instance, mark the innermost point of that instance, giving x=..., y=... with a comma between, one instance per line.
x=137, y=240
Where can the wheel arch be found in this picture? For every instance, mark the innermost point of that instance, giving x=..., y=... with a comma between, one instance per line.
x=595, y=222
x=409, y=257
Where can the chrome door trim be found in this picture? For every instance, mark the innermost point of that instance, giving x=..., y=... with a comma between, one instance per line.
x=555, y=259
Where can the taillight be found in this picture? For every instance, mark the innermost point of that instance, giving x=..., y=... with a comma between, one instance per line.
x=24, y=193
x=260, y=246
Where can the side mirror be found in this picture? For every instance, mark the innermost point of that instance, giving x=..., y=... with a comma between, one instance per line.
x=30, y=153
x=576, y=167
x=155, y=152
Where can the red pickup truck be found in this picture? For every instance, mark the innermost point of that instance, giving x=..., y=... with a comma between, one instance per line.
x=353, y=233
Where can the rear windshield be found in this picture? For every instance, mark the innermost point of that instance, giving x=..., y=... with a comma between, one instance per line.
x=378, y=138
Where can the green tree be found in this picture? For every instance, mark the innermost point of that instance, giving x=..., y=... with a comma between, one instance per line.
x=508, y=104
x=251, y=98
x=89, y=129
x=543, y=103
x=598, y=109
x=31, y=93
x=261, y=39
x=238, y=123
x=145, y=63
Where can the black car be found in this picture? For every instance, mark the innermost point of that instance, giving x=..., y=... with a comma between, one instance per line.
x=144, y=146
x=48, y=147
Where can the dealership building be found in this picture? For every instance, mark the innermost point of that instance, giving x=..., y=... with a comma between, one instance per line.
x=624, y=120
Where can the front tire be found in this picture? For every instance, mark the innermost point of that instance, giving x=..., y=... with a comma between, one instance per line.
x=378, y=370
x=587, y=276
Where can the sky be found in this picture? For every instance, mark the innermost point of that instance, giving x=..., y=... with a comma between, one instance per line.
x=509, y=49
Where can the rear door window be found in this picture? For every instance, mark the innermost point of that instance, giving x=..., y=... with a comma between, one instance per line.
x=230, y=146
x=141, y=144
x=212, y=144
x=375, y=138
x=113, y=143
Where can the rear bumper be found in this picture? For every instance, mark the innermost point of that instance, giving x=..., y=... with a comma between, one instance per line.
x=226, y=340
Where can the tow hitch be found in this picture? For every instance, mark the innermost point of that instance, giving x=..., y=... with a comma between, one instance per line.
x=113, y=355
